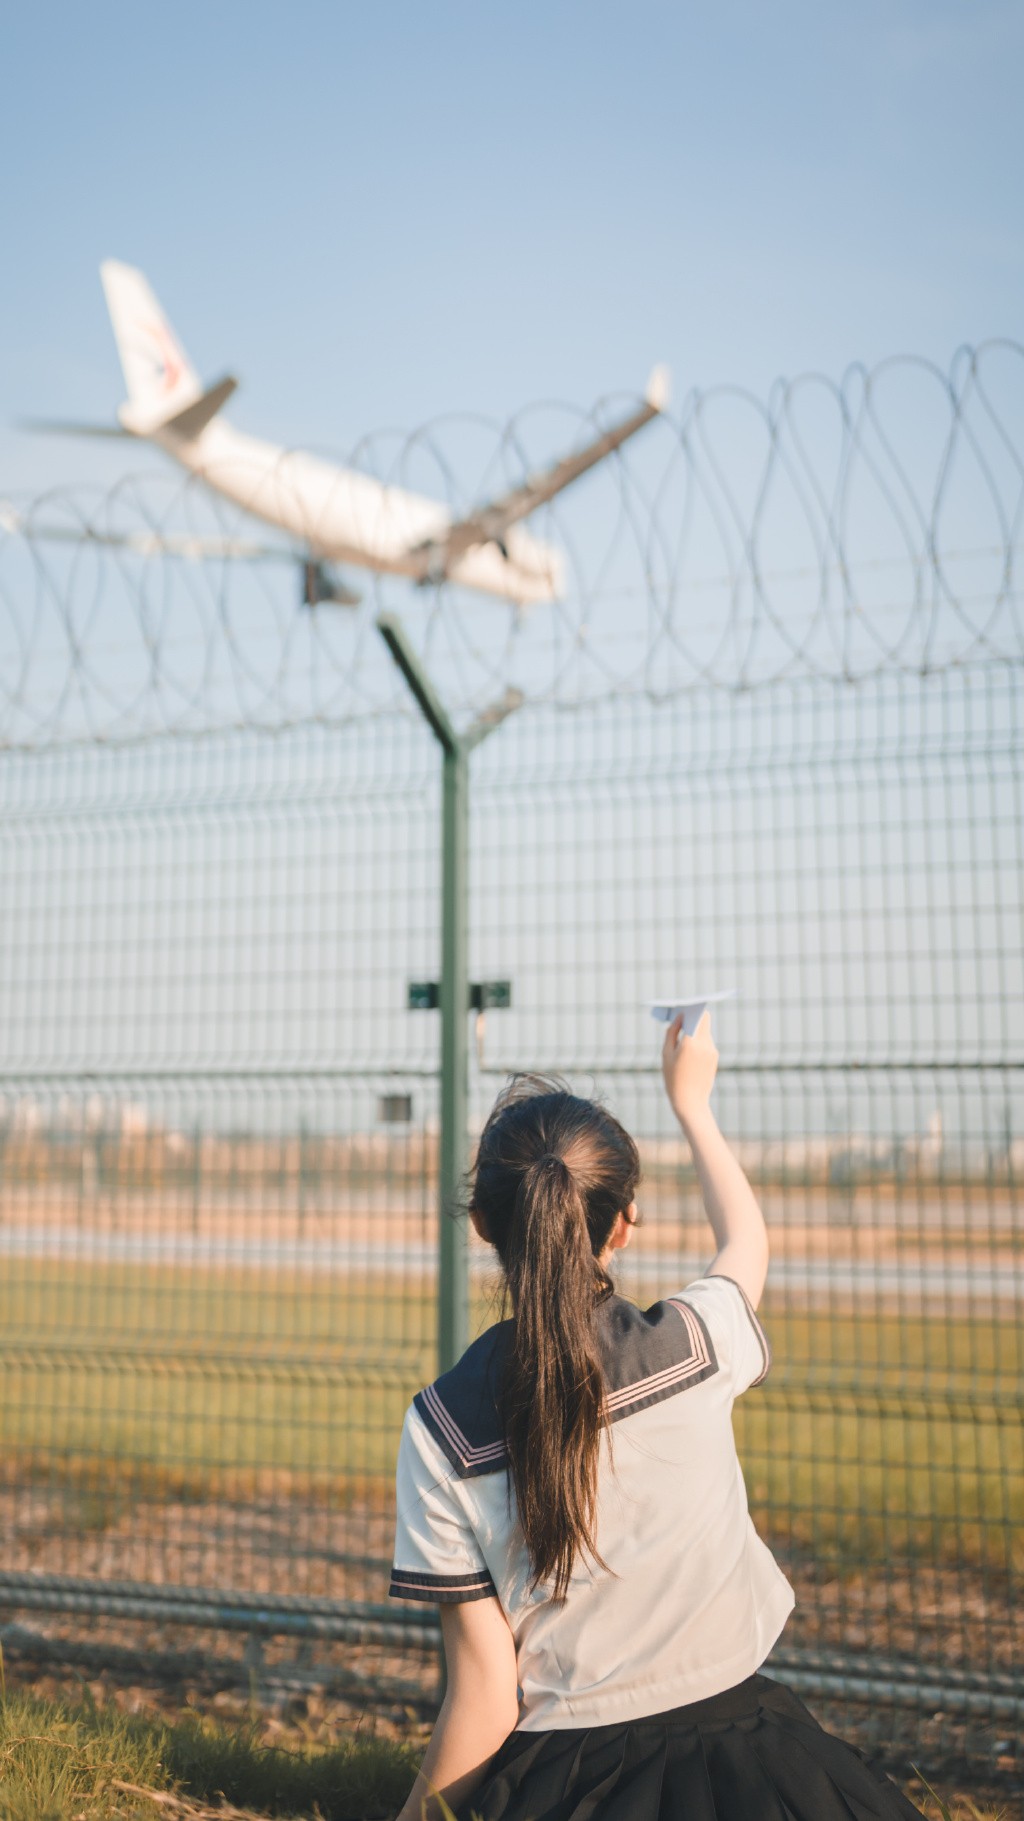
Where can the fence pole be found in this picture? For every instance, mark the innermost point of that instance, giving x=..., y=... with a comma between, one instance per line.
x=453, y=1240
x=453, y=1236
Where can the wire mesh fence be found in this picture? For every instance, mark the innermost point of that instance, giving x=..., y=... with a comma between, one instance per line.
x=219, y=1153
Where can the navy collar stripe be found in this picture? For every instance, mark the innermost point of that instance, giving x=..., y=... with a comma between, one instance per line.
x=458, y=1440
x=646, y=1355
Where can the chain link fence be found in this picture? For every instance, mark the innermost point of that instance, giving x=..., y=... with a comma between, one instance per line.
x=772, y=739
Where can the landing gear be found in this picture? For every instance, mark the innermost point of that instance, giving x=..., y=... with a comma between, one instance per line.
x=320, y=584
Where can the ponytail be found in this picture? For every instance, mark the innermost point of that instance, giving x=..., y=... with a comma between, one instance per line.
x=552, y=1173
x=553, y=1387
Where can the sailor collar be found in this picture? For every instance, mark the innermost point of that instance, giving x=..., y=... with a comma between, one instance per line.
x=647, y=1355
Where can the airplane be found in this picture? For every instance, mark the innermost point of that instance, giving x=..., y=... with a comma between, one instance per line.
x=333, y=514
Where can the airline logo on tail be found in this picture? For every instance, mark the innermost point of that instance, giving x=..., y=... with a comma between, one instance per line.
x=166, y=357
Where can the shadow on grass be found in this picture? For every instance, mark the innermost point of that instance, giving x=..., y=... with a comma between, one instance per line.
x=360, y=1778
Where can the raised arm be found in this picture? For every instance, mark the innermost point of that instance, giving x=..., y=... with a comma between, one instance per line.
x=689, y=1065
x=479, y=1710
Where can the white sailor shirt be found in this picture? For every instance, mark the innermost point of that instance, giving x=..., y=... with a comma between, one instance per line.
x=692, y=1600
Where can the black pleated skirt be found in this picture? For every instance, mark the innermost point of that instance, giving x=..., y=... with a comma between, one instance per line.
x=751, y=1753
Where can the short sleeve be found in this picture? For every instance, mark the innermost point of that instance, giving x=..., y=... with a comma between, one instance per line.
x=437, y=1556
x=739, y=1340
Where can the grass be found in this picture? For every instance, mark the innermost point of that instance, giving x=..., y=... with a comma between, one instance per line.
x=966, y=1810
x=78, y=1760
x=205, y=1314
x=122, y=1383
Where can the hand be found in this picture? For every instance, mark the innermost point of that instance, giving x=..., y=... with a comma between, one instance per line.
x=689, y=1065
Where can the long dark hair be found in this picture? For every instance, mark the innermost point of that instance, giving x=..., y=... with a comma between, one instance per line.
x=552, y=1171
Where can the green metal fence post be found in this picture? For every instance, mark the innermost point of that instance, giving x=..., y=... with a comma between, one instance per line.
x=453, y=1237
x=453, y=1247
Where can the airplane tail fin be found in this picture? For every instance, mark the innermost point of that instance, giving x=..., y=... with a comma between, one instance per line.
x=161, y=381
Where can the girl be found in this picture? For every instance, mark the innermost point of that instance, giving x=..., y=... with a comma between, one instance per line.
x=569, y=1493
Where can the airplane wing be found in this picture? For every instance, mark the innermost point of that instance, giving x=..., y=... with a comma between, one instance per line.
x=319, y=582
x=489, y=524
x=142, y=543
x=58, y=426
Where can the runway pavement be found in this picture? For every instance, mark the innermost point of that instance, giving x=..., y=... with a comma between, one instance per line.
x=931, y=1280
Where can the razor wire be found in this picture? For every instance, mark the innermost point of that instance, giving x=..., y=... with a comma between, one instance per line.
x=830, y=530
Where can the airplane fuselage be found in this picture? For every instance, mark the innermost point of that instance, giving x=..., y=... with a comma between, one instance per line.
x=341, y=515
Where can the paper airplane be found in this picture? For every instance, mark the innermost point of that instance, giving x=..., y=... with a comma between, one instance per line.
x=691, y=1006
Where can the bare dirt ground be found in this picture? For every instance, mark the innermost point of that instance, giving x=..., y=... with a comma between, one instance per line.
x=312, y=1551
x=948, y=1615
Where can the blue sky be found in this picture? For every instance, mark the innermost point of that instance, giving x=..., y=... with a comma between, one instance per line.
x=378, y=214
